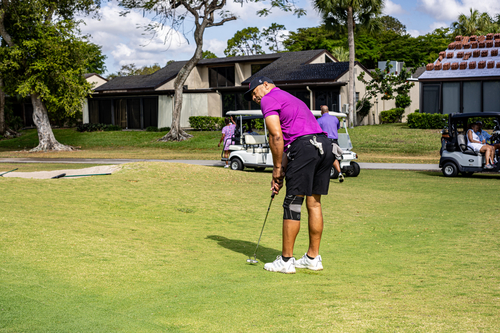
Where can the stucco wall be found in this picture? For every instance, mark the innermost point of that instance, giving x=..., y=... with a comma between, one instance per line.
x=96, y=81
x=192, y=105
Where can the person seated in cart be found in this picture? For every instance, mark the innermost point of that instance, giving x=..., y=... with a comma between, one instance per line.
x=330, y=125
x=480, y=146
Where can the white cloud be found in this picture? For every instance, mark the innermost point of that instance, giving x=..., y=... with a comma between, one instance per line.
x=216, y=46
x=124, y=41
x=413, y=33
x=449, y=10
x=392, y=8
x=436, y=25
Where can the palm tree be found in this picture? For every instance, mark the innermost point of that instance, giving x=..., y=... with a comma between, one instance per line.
x=338, y=14
x=340, y=53
x=475, y=24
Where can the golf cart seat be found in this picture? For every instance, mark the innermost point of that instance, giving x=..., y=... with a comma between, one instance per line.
x=463, y=146
x=235, y=147
x=254, y=139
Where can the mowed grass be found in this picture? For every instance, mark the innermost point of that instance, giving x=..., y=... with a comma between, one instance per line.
x=162, y=247
x=389, y=143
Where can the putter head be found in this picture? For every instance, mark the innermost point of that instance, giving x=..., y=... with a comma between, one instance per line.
x=252, y=261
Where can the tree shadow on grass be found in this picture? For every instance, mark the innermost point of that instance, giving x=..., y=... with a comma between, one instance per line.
x=247, y=248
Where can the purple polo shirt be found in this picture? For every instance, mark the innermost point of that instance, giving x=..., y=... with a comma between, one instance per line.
x=295, y=117
x=330, y=124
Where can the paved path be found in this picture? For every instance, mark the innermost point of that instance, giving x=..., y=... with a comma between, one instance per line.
x=386, y=166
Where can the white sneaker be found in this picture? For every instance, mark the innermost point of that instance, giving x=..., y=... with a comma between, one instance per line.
x=305, y=262
x=280, y=266
x=341, y=178
x=226, y=166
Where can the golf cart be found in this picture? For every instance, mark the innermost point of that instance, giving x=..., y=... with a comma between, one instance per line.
x=456, y=156
x=253, y=150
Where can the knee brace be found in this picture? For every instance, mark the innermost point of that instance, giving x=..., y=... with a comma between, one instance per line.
x=291, y=207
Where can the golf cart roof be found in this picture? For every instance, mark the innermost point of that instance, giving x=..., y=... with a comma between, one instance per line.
x=316, y=113
x=475, y=114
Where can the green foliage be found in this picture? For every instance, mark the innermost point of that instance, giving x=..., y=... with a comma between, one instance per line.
x=392, y=116
x=387, y=44
x=131, y=70
x=387, y=85
x=208, y=55
x=476, y=23
x=363, y=107
x=156, y=129
x=390, y=23
x=427, y=120
x=97, y=127
x=245, y=42
x=46, y=56
x=206, y=123
x=403, y=101
x=96, y=62
x=272, y=36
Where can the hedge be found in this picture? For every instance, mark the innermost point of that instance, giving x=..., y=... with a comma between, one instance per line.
x=427, y=120
x=392, y=116
x=205, y=123
x=97, y=127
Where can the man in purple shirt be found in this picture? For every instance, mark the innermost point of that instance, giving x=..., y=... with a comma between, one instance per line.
x=302, y=154
x=331, y=125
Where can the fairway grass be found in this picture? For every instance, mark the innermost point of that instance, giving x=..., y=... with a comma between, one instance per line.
x=388, y=143
x=162, y=247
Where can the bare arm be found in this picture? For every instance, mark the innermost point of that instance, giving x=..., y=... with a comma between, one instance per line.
x=276, y=144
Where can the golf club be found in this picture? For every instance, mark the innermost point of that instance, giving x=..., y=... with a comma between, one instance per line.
x=1, y=174
x=254, y=260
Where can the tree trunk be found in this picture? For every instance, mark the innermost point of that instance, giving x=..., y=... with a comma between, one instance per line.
x=350, y=39
x=2, y=108
x=47, y=141
x=176, y=133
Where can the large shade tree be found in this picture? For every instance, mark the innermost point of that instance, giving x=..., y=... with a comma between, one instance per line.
x=204, y=14
x=339, y=14
x=42, y=57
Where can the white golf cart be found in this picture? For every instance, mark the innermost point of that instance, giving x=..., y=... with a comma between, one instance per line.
x=252, y=151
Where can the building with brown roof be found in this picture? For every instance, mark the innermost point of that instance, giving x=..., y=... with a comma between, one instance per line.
x=465, y=78
x=216, y=86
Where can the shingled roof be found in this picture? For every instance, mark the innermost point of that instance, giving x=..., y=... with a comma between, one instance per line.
x=467, y=57
x=144, y=82
x=289, y=67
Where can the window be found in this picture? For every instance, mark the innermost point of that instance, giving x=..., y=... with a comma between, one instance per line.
x=471, y=97
x=451, y=97
x=257, y=67
x=221, y=76
x=329, y=98
x=430, y=103
x=491, y=96
x=327, y=59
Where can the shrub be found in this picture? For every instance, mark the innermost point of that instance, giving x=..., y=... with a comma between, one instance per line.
x=205, y=123
x=164, y=129
x=152, y=129
x=392, y=116
x=403, y=101
x=364, y=106
x=427, y=120
x=97, y=127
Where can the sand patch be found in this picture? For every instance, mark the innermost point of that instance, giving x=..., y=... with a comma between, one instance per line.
x=69, y=172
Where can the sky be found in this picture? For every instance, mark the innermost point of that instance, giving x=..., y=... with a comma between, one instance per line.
x=124, y=40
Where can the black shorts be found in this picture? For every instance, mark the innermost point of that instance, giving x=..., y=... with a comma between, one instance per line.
x=307, y=171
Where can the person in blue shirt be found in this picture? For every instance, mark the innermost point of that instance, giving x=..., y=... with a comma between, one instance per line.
x=483, y=135
x=331, y=124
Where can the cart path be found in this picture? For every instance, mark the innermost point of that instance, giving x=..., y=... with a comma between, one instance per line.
x=366, y=166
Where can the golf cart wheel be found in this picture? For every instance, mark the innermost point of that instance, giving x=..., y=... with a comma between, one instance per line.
x=354, y=170
x=259, y=169
x=450, y=170
x=236, y=164
x=334, y=174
